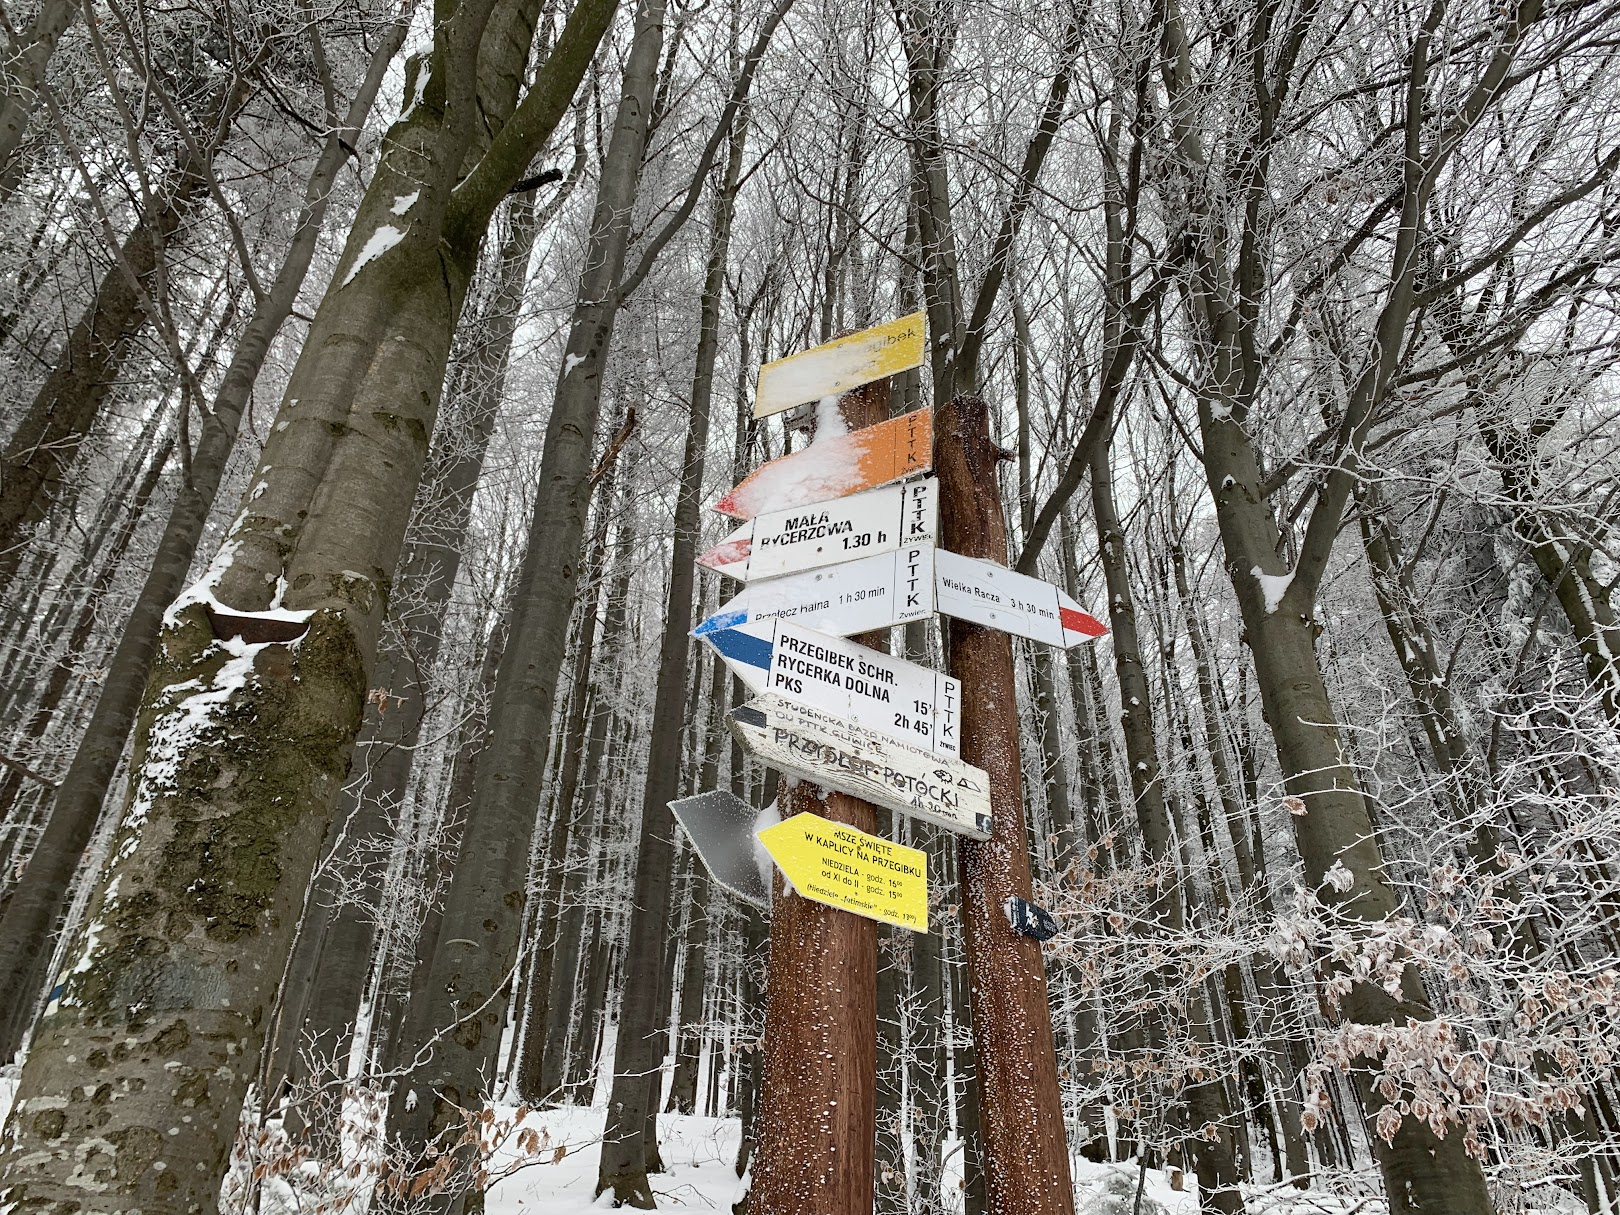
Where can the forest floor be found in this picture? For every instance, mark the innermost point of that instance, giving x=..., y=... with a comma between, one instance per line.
x=699, y=1155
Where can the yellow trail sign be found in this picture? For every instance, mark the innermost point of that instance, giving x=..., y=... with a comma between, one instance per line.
x=838, y=366
x=842, y=867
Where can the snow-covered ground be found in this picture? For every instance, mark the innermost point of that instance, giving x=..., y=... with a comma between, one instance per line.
x=699, y=1154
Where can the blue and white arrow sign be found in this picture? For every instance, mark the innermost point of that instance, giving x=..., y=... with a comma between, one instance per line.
x=855, y=597
x=884, y=694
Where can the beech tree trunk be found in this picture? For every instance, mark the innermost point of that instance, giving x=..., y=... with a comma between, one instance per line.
x=465, y=989
x=1211, y=1141
x=332, y=960
x=26, y=927
x=45, y=444
x=167, y=1001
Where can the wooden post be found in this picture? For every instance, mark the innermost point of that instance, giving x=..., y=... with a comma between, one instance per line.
x=818, y=1116
x=1026, y=1156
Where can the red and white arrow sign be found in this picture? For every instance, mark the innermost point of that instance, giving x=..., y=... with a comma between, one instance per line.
x=995, y=596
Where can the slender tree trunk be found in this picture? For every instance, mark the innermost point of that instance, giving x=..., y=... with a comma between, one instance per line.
x=689, y=1041
x=551, y=897
x=1211, y=1143
x=1422, y=1173
x=45, y=444
x=24, y=70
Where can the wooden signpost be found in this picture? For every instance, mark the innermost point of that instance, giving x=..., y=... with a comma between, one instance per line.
x=831, y=468
x=837, y=754
x=1026, y=1156
x=828, y=533
x=840, y=365
x=828, y=550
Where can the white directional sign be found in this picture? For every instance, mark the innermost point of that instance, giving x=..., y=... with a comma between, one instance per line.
x=810, y=537
x=855, y=597
x=840, y=755
x=877, y=691
x=993, y=595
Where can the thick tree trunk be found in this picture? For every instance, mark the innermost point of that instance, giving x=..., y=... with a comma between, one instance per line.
x=1422, y=1173
x=25, y=929
x=193, y=919
x=335, y=940
x=1025, y=1148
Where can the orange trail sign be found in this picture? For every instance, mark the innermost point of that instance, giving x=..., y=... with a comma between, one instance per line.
x=838, y=366
x=836, y=466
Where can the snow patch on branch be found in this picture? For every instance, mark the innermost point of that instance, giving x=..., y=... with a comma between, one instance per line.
x=1273, y=587
x=405, y=202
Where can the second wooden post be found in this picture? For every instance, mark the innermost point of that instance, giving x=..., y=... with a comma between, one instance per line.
x=1026, y=1156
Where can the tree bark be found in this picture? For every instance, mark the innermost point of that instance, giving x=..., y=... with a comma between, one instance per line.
x=1211, y=1141
x=463, y=991
x=335, y=941
x=193, y=918
x=43, y=447
x=26, y=926
x=1021, y=1113
x=24, y=72
x=817, y=1099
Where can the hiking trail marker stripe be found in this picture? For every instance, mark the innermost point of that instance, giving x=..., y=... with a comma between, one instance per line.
x=836, y=466
x=855, y=597
x=837, y=754
x=838, y=366
x=862, y=687
x=842, y=867
x=811, y=537
x=993, y=595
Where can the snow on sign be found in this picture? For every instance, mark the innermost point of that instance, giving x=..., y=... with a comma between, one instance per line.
x=842, y=867
x=809, y=537
x=863, y=687
x=836, y=465
x=855, y=597
x=993, y=595
x=721, y=827
x=837, y=754
x=838, y=366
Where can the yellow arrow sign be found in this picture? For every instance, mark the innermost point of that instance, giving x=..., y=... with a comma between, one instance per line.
x=835, y=368
x=842, y=867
